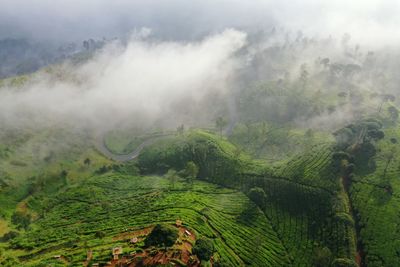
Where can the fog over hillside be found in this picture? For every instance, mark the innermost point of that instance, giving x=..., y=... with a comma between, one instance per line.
x=142, y=82
x=170, y=60
x=219, y=133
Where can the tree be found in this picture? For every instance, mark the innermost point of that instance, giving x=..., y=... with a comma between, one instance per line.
x=180, y=129
x=248, y=124
x=220, y=123
x=87, y=161
x=172, y=176
x=191, y=171
x=325, y=62
x=394, y=113
x=386, y=98
x=203, y=248
x=388, y=156
x=22, y=220
x=9, y=236
x=99, y=234
x=162, y=235
x=322, y=257
x=64, y=174
x=343, y=262
x=258, y=196
x=376, y=134
x=237, y=152
x=303, y=75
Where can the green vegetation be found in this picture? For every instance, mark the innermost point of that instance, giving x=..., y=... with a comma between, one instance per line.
x=300, y=204
x=162, y=235
x=269, y=194
x=376, y=202
x=125, y=141
x=299, y=213
x=204, y=249
x=258, y=196
x=297, y=164
x=116, y=204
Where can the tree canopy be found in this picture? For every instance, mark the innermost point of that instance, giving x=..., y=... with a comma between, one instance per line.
x=162, y=235
x=203, y=248
x=258, y=196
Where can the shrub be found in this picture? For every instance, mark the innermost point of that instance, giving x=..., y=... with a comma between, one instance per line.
x=99, y=234
x=162, y=235
x=350, y=168
x=191, y=171
x=203, y=248
x=8, y=236
x=345, y=218
x=258, y=196
x=344, y=262
x=322, y=257
x=338, y=157
x=20, y=219
x=376, y=134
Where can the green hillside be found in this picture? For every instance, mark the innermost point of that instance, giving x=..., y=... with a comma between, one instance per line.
x=65, y=212
x=274, y=190
x=376, y=202
x=116, y=204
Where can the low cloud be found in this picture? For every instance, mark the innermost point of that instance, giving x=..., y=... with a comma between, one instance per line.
x=144, y=82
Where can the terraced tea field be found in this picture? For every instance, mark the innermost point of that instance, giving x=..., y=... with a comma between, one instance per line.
x=113, y=204
x=311, y=167
x=376, y=199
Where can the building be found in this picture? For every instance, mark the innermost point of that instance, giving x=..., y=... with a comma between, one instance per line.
x=116, y=252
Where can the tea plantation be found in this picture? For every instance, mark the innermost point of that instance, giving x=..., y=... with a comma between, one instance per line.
x=114, y=203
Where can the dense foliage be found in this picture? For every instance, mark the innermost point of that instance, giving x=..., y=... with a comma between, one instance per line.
x=162, y=235
x=203, y=248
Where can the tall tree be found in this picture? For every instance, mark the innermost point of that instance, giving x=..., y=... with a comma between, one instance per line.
x=191, y=171
x=394, y=113
x=258, y=196
x=172, y=177
x=220, y=123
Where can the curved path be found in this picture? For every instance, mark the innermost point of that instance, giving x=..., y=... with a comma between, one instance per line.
x=101, y=146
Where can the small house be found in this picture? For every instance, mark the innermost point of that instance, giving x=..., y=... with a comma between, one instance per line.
x=116, y=252
x=187, y=233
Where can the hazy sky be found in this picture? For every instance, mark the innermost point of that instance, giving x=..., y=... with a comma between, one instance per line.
x=366, y=20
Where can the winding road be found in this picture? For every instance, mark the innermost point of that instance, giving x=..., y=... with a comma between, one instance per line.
x=101, y=146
